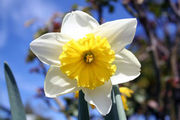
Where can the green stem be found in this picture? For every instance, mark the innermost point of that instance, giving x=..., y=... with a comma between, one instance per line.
x=119, y=104
x=83, y=112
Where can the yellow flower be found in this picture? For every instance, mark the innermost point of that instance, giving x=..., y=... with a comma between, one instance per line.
x=89, y=57
x=125, y=92
x=76, y=94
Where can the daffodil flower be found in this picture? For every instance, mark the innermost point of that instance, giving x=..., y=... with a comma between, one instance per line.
x=89, y=57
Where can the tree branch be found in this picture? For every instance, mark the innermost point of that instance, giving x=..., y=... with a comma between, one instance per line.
x=175, y=9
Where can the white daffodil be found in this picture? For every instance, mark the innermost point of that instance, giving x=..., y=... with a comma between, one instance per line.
x=89, y=57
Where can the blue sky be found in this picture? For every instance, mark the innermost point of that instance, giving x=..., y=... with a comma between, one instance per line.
x=15, y=39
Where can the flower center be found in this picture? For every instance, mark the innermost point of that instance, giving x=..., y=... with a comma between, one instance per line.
x=88, y=60
x=89, y=57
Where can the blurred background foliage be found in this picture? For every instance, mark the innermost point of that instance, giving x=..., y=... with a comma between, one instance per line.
x=157, y=91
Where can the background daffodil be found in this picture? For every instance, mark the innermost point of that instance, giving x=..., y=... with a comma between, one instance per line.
x=89, y=57
x=125, y=92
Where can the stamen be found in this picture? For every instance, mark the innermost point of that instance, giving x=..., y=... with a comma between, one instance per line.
x=89, y=57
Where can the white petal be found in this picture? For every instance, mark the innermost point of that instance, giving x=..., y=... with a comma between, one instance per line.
x=48, y=47
x=119, y=33
x=57, y=83
x=128, y=67
x=100, y=97
x=77, y=24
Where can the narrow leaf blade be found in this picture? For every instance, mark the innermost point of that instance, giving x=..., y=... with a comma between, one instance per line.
x=17, y=109
x=83, y=111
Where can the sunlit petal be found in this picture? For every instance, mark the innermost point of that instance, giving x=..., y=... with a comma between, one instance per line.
x=128, y=67
x=119, y=33
x=48, y=47
x=100, y=97
x=57, y=83
x=77, y=24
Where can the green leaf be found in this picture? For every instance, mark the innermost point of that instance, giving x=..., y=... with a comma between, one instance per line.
x=83, y=111
x=119, y=104
x=17, y=109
